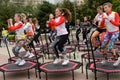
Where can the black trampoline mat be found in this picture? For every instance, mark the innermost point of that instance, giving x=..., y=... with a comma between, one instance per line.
x=11, y=67
x=50, y=67
x=98, y=55
x=108, y=67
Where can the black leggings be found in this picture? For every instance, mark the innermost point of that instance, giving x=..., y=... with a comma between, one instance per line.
x=77, y=34
x=36, y=38
x=59, y=44
x=85, y=32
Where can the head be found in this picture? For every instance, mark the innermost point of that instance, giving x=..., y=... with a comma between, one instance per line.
x=107, y=7
x=85, y=18
x=17, y=17
x=30, y=20
x=64, y=12
x=100, y=9
x=51, y=16
x=78, y=21
x=25, y=20
x=35, y=21
x=3, y=28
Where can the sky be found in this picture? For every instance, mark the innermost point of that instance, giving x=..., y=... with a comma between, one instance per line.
x=51, y=1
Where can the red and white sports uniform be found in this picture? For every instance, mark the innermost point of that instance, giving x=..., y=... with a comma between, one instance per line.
x=28, y=28
x=62, y=35
x=98, y=18
x=112, y=23
x=59, y=25
x=18, y=28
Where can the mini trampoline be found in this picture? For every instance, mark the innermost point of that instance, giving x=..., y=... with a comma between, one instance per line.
x=11, y=67
x=49, y=67
x=96, y=66
x=28, y=59
x=107, y=68
x=98, y=55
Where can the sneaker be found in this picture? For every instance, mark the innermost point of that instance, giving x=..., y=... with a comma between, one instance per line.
x=84, y=41
x=18, y=61
x=31, y=55
x=65, y=62
x=57, y=61
x=103, y=62
x=27, y=54
x=22, y=62
x=116, y=63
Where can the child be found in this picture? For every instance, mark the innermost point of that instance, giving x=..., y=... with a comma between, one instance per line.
x=111, y=20
x=58, y=24
x=100, y=29
x=20, y=37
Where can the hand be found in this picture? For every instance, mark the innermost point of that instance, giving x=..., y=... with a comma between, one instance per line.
x=47, y=22
x=8, y=21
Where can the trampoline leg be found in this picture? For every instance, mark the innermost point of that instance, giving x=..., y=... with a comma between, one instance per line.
x=36, y=72
x=107, y=76
x=28, y=74
x=86, y=73
x=39, y=73
x=95, y=72
x=82, y=65
x=46, y=76
x=4, y=75
x=73, y=75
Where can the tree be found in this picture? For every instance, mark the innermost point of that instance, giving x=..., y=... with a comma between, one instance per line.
x=69, y=5
x=43, y=14
x=8, y=9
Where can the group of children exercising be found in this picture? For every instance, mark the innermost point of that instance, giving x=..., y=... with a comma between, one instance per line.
x=107, y=21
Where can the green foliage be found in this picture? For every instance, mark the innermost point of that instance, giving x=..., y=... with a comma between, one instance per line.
x=69, y=5
x=42, y=11
x=43, y=14
x=8, y=9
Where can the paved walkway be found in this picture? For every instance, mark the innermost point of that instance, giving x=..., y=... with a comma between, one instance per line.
x=58, y=76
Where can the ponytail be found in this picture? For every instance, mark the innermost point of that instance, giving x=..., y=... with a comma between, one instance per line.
x=66, y=13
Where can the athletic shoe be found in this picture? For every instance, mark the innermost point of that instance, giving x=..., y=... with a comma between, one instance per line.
x=116, y=63
x=103, y=62
x=84, y=40
x=18, y=61
x=22, y=62
x=31, y=55
x=65, y=62
x=57, y=61
x=27, y=54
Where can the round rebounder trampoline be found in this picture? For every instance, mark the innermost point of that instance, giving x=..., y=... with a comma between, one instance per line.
x=11, y=67
x=49, y=67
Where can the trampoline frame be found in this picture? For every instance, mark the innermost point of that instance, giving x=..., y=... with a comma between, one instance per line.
x=72, y=71
x=3, y=71
x=94, y=62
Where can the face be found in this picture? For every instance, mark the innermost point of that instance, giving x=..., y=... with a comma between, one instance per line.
x=107, y=8
x=16, y=18
x=78, y=21
x=99, y=10
x=24, y=20
x=30, y=20
x=57, y=12
x=51, y=16
x=85, y=18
